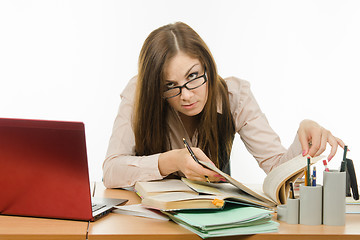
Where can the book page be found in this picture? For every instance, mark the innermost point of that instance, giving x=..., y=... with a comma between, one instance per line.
x=171, y=201
x=285, y=188
x=239, y=185
x=203, y=187
x=275, y=182
x=178, y=196
x=141, y=211
x=227, y=191
x=151, y=188
x=257, y=188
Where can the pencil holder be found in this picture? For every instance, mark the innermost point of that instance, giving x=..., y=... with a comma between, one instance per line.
x=310, y=205
x=334, y=198
x=281, y=212
x=292, y=210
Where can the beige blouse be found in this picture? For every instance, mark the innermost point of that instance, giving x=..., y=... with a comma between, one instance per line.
x=122, y=168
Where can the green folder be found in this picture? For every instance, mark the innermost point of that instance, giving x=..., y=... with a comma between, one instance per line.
x=232, y=220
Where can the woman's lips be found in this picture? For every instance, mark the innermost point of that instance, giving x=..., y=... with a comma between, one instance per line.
x=188, y=106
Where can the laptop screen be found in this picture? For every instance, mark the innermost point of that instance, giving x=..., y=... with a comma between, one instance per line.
x=43, y=169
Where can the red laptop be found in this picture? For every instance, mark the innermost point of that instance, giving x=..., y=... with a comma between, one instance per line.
x=44, y=171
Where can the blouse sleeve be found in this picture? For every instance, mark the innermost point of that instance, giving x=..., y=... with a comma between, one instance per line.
x=121, y=167
x=254, y=129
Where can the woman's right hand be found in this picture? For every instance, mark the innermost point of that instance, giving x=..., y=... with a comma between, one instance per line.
x=181, y=160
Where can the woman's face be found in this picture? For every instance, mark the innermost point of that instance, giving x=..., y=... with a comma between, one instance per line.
x=181, y=69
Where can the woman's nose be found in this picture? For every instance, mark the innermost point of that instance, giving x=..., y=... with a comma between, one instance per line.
x=186, y=93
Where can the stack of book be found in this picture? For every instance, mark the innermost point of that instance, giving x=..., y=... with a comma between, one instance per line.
x=232, y=220
x=352, y=206
x=223, y=209
x=207, y=215
x=297, y=184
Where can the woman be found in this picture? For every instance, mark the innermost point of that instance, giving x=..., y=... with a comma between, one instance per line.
x=178, y=94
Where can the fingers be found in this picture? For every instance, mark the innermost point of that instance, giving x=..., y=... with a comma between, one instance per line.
x=333, y=143
x=197, y=178
x=195, y=171
x=340, y=142
x=202, y=178
x=314, y=138
x=309, y=135
x=304, y=141
x=194, y=174
x=201, y=155
x=322, y=145
x=218, y=178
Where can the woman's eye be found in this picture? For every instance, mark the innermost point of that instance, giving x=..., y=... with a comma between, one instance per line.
x=170, y=85
x=193, y=75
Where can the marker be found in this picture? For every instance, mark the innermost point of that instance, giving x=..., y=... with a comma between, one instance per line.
x=314, y=177
x=325, y=164
x=343, y=163
x=345, y=152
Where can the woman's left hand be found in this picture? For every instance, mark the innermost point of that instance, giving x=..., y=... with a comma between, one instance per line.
x=313, y=139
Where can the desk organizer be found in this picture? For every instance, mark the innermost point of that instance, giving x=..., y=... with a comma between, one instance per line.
x=292, y=210
x=318, y=204
x=334, y=198
x=281, y=212
x=311, y=205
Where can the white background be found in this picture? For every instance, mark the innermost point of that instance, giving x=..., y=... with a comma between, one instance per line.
x=70, y=60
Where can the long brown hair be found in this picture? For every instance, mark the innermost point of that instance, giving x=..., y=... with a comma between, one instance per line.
x=215, y=131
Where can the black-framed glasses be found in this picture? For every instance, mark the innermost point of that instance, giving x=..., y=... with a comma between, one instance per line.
x=190, y=85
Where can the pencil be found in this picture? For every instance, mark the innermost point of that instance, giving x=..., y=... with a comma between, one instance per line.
x=193, y=156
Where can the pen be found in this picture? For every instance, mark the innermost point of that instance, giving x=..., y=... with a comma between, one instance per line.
x=343, y=163
x=308, y=171
x=314, y=177
x=193, y=156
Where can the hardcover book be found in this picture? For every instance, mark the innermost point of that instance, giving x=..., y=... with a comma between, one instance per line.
x=175, y=194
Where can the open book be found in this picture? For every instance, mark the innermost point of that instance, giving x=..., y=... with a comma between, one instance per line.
x=175, y=194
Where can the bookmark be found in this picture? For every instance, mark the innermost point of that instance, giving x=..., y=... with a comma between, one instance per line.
x=218, y=202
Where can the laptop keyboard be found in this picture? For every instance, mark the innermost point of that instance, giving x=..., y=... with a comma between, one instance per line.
x=96, y=207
